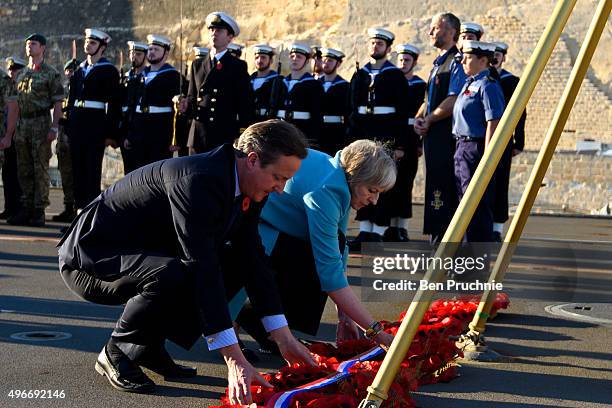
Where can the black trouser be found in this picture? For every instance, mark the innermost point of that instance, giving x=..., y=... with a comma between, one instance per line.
x=502, y=182
x=160, y=301
x=298, y=282
x=10, y=181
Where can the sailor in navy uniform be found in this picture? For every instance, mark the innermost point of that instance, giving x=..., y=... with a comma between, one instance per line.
x=476, y=114
x=302, y=95
x=262, y=80
x=150, y=136
x=469, y=32
x=400, y=209
x=379, y=111
x=200, y=52
x=95, y=101
x=508, y=83
x=220, y=97
x=335, y=103
x=433, y=122
x=131, y=88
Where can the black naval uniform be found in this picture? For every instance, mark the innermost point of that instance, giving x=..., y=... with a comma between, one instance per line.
x=220, y=101
x=400, y=196
x=379, y=111
x=301, y=105
x=335, y=115
x=95, y=111
x=171, y=241
x=131, y=90
x=262, y=92
x=508, y=83
x=150, y=136
x=439, y=148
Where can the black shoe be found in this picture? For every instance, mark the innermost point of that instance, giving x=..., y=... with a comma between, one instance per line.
x=65, y=216
x=391, y=235
x=6, y=214
x=403, y=235
x=37, y=219
x=159, y=361
x=497, y=236
x=21, y=218
x=354, y=245
x=122, y=373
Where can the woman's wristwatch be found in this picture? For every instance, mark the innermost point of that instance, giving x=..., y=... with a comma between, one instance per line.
x=374, y=329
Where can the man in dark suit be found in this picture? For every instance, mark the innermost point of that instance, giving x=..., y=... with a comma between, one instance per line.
x=174, y=240
x=220, y=98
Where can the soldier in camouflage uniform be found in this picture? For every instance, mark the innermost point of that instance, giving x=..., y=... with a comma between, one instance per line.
x=10, y=183
x=62, y=149
x=39, y=88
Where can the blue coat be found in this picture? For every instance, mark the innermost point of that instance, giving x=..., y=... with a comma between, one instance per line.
x=315, y=206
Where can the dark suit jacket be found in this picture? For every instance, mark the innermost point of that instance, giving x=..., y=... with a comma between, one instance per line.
x=220, y=101
x=180, y=207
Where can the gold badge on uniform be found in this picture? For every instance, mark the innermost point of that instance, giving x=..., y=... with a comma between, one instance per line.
x=437, y=203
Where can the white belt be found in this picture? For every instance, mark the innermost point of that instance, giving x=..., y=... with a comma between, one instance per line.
x=89, y=104
x=124, y=109
x=293, y=115
x=262, y=111
x=410, y=121
x=375, y=110
x=333, y=119
x=154, y=109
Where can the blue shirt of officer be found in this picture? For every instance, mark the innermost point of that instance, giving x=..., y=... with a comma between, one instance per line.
x=481, y=100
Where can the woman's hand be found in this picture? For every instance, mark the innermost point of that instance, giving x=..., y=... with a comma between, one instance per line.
x=384, y=340
x=346, y=329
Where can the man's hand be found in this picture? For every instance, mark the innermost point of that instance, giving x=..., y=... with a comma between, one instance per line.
x=292, y=350
x=182, y=104
x=240, y=375
x=347, y=329
x=421, y=126
x=5, y=142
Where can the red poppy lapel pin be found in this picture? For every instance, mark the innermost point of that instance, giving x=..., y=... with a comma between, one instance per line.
x=218, y=66
x=246, y=202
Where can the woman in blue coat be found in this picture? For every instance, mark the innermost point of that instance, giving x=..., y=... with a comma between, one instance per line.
x=304, y=233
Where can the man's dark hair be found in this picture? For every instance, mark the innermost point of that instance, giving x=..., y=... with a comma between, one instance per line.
x=272, y=139
x=453, y=22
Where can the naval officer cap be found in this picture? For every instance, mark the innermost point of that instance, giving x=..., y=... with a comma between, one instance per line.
x=219, y=19
x=137, y=46
x=408, y=49
x=332, y=53
x=235, y=49
x=300, y=49
x=263, y=49
x=160, y=40
x=13, y=62
x=200, y=52
x=473, y=28
x=36, y=37
x=97, y=35
x=480, y=48
x=501, y=47
x=381, y=34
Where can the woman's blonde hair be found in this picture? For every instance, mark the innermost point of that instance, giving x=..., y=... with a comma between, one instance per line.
x=370, y=163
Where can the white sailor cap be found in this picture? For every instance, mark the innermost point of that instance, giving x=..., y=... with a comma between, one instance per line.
x=300, y=49
x=97, y=35
x=332, y=53
x=501, y=47
x=478, y=48
x=220, y=19
x=16, y=62
x=137, y=46
x=407, y=49
x=471, y=28
x=263, y=49
x=381, y=33
x=158, y=39
x=234, y=48
x=200, y=52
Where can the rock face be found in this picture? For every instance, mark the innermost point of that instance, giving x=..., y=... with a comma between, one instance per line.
x=342, y=24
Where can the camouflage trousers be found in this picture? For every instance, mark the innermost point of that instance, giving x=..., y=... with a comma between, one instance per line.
x=33, y=154
x=64, y=163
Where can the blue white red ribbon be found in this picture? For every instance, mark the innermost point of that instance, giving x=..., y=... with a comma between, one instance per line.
x=283, y=399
